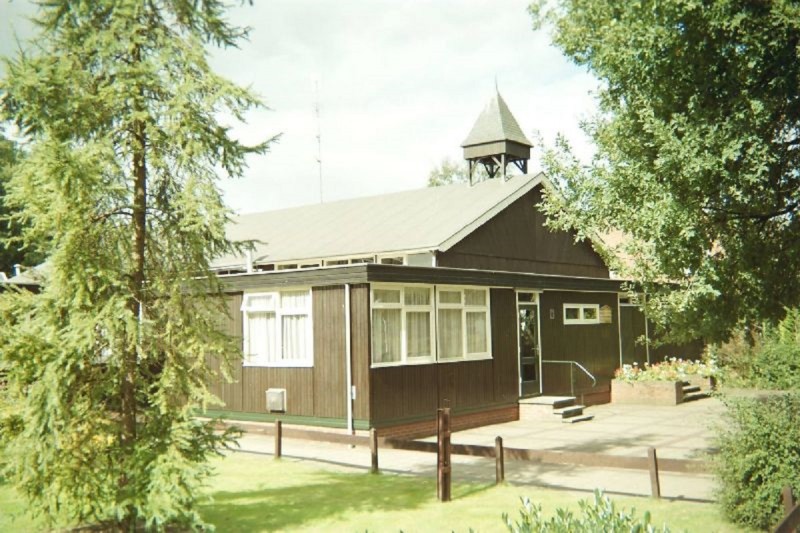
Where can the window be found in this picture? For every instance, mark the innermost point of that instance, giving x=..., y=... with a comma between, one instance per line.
x=277, y=328
x=581, y=314
x=404, y=329
x=392, y=260
x=463, y=323
x=402, y=325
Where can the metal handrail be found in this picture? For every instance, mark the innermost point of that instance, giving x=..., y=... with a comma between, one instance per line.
x=571, y=379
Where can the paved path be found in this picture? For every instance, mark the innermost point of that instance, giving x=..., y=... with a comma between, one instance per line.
x=682, y=432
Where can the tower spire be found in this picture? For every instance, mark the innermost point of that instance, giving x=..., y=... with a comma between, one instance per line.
x=496, y=140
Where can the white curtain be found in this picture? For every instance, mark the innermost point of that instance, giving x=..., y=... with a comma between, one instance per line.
x=450, y=334
x=295, y=339
x=476, y=332
x=261, y=336
x=418, y=333
x=385, y=335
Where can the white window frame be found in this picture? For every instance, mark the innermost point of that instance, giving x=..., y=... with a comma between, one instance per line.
x=581, y=314
x=249, y=360
x=465, y=308
x=404, y=310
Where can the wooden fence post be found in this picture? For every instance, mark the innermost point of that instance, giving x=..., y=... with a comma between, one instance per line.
x=278, y=437
x=499, y=461
x=373, y=449
x=655, y=486
x=443, y=477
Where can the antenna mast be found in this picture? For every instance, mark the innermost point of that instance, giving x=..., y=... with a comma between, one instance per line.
x=319, y=137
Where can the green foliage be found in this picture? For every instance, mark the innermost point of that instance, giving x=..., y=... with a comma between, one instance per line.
x=759, y=453
x=697, y=157
x=12, y=250
x=108, y=361
x=767, y=357
x=450, y=172
x=600, y=515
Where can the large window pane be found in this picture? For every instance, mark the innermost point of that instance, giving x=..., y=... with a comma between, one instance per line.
x=260, y=336
x=385, y=335
x=418, y=334
x=476, y=332
x=294, y=337
x=450, y=334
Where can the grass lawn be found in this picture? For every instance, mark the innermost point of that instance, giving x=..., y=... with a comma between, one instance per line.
x=256, y=493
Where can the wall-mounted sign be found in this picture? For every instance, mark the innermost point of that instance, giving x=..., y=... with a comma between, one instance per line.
x=605, y=314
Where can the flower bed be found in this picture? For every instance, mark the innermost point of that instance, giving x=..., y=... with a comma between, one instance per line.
x=660, y=383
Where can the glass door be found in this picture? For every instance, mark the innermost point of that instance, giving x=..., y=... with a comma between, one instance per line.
x=529, y=350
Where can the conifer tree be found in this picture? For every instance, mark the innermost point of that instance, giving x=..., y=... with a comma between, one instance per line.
x=106, y=364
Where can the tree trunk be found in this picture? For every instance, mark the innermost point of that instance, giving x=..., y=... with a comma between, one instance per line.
x=136, y=302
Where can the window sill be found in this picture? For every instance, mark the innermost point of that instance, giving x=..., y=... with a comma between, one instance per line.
x=433, y=361
x=279, y=364
x=426, y=361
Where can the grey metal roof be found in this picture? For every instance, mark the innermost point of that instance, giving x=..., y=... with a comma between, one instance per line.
x=434, y=218
x=496, y=123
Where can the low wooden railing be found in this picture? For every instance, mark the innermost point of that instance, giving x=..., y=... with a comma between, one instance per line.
x=791, y=519
x=650, y=463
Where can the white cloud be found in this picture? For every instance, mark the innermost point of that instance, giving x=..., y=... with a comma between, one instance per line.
x=400, y=85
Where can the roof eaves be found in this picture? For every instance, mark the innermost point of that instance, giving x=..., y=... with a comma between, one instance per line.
x=490, y=213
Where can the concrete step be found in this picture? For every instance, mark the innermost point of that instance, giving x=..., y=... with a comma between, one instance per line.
x=556, y=402
x=688, y=389
x=569, y=412
x=576, y=419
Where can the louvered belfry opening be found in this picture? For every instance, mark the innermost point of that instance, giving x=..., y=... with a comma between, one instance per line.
x=496, y=140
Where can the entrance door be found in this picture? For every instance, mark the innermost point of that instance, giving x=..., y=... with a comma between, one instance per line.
x=529, y=352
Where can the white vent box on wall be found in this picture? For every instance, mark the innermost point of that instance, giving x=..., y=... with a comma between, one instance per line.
x=276, y=400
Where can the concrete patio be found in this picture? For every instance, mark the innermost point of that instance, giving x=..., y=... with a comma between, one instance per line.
x=684, y=431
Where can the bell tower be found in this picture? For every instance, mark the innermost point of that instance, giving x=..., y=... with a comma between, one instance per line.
x=496, y=140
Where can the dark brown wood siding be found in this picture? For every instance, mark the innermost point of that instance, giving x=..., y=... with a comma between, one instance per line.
x=230, y=393
x=360, y=348
x=634, y=350
x=319, y=391
x=595, y=346
x=516, y=240
x=631, y=331
x=411, y=392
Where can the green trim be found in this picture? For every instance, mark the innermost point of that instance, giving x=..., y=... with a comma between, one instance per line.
x=431, y=416
x=288, y=419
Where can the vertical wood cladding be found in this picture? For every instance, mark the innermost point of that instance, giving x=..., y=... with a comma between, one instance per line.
x=504, y=345
x=516, y=240
x=231, y=324
x=595, y=346
x=413, y=391
x=360, y=348
x=319, y=391
x=631, y=329
x=329, y=372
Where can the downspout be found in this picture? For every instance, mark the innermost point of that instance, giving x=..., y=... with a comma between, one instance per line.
x=646, y=329
x=348, y=359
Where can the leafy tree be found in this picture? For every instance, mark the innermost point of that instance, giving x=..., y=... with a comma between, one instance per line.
x=106, y=364
x=12, y=251
x=698, y=151
x=449, y=172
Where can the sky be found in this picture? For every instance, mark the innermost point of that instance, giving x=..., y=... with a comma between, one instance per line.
x=398, y=85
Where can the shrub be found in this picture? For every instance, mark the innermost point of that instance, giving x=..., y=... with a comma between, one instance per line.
x=759, y=453
x=601, y=515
